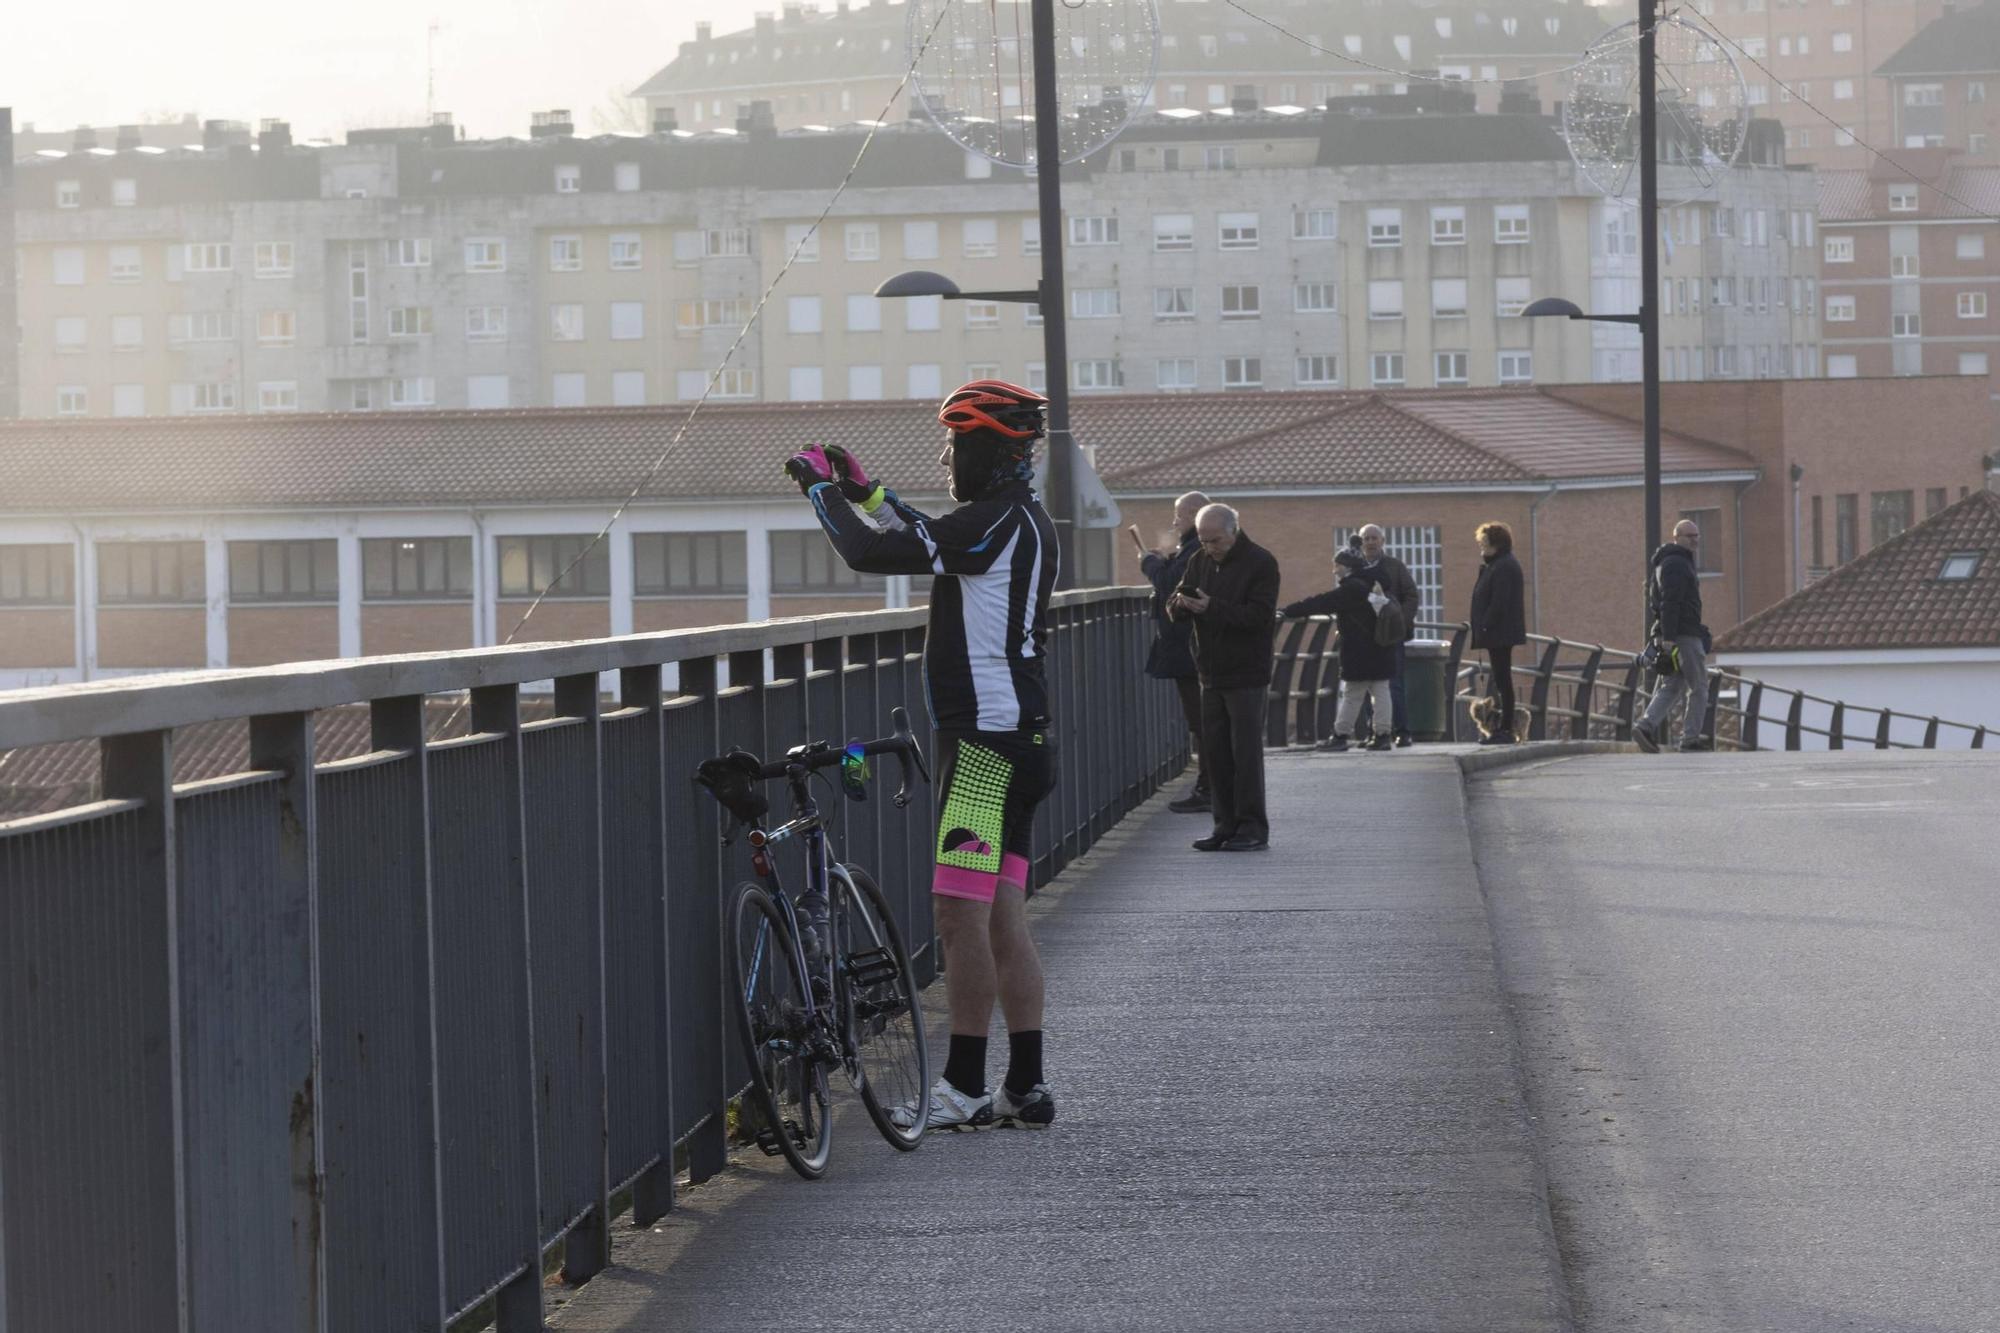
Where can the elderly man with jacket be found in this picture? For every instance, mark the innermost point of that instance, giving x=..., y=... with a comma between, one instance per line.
x=1392, y=576
x=1172, y=655
x=1230, y=593
x=1683, y=642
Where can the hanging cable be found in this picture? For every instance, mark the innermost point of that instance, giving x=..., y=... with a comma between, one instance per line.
x=715, y=376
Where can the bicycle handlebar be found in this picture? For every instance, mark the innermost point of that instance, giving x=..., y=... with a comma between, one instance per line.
x=810, y=758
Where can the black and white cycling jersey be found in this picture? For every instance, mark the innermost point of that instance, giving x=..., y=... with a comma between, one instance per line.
x=995, y=564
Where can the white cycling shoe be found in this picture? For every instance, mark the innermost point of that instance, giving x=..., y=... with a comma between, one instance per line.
x=950, y=1109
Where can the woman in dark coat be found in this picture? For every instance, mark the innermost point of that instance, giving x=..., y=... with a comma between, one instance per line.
x=1499, y=619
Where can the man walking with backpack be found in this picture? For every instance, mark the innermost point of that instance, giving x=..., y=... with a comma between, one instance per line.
x=1681, y=643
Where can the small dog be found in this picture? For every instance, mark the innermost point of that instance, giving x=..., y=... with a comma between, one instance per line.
x=1485, y=715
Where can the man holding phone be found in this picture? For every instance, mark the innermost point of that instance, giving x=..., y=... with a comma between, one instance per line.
x=1172, y=655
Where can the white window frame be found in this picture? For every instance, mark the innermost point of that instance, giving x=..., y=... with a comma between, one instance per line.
x=278, y=396
x=1378, y=306
x=208, y=257
x=1236, y=307
x=861, y=242
x=128, y=264
x=1460, y=368
x=1448, y=225
x=1838, y=249
x=628, y=321
x=1381, y=362
x=1179, y=363
x=569, y=179
x=412, y=391
x=1906, y=324
x=485, y=254
x=274, y=259
x=410, y=321
x=1839, y=309
x=1442, y=304
x=1514, y=366
x=1236, y=231
x=864, y=313
x=1315, y=224
x=1385, y=228
x=1242, y=372
x=1316, y=370
x=486, y=323
x=804, y=238
x=1972, y=305
x=1173, y=232
x=566, y=323
x=1097, y=374
x=628, y=252
x=1173, y=305
x=412, y=252
x=979, y=238
x=1316, y=298
x=1094, y=229
x=1510, y=224
x=277, y=328
x=1094, y=303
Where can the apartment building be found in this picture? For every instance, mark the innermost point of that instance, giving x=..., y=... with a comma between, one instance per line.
x=828, y=67
x=1828, y=52
x=1909, y=278
x=1938, y=83
x=10, y=317
x=1387, y=241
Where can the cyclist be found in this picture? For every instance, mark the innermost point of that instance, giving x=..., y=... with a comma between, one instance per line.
x=994, y=561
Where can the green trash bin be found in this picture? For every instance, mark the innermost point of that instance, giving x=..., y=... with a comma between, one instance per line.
x=1425, y=663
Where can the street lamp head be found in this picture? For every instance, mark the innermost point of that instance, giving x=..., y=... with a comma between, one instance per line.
x=918, y=282
x=1553, y=305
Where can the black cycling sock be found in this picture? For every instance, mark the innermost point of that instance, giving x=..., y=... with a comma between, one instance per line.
x=1024, y=1061
x=965, y=1067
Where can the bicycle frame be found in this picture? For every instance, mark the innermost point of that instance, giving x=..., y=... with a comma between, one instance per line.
x=817, y=914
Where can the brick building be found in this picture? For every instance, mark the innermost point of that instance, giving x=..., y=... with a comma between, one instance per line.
x=1937, y=83
x=830, y=67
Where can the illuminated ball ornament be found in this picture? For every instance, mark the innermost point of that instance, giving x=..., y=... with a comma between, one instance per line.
x=1701, y=116
x=975, y=71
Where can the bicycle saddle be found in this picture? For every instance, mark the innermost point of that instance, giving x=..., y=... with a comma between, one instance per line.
x=736, y=781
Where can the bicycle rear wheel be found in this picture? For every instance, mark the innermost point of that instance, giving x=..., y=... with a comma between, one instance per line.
x=882, y=1019
x=787, y=1079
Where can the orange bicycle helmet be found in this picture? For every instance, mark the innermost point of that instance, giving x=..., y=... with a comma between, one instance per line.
x=996, y=405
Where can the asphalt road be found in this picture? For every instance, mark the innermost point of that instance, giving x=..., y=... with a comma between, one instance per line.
x=1758, y=1000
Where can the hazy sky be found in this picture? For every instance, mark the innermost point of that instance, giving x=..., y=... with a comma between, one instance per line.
x=363, y=63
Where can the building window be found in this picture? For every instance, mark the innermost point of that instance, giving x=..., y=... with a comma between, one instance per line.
x=1843, y=42
x=1241, y=303
x=1841, y=366
x=1846, y=527
x=413, y=391
x=1972, y=363
x=672, y=564
x=416, y=569
x=1100, y=373
x=1510, y=224
x=1316, y=298
x=295, y=571
x=1906, y=326
x=1902, y=198
x=1971, y=245
x=37, y=575
x=274, y=259
x=625, y=177
x=486, y=323
x=72, y=400
x=1174, y=373
x=1839, y=309
x=565, y=254
x=412, y=252
x=1236, y=231
x=125, y=264
x=1818, y=533
x=69, y=194
x=628, y=320
x=127, y=332
x=1510, y=296
x=1889, y=515
x=1092, y=303
x=1448, y=298
x=1385, y=298
x=72, y=333
x=278, y=396
x=203, y=326
x=1172, y=305
x=1903, y=265
x=806, y=384
x=982, y=314
x=205, y=396
x=485, y=254
x=208, y=257
x=151, y=573
x=920, y=240
x=802, y=243
x=1242, y=372
x=1451, y=369
x=1385, y=370
x=864, y=314
x=124, y=192
x=569, y=565
x=979, y=238
x=1448, y=226
x=802, y=314
x=68, y=267
x=1101, y=230
x=1314, y=224
x=569, y=179
x=566, y=322
x=1031, y=236
x=1839, y=249
x=1517, y=367
x=1219, y=157
x=1960, y=565
x=410, y=321
x=628, y=389
x=1708, y=522
x=1972, y=305
x=1385, y=228
x=1317, y=371
x=863, y=241
x=718, y=313
x=804, y=562
x=1173, y=231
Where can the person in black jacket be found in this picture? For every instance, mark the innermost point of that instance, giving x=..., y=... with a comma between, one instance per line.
x=1230, y=592
x=1366, y=667
x=1683, y=641
x=1499, y=619
x=1172, y=655
x=1393, y=576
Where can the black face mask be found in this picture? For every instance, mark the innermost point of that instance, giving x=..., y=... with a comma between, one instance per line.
x=978, y=469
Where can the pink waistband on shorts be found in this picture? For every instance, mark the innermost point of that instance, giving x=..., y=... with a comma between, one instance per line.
x=958, y=882
x=1014, y=870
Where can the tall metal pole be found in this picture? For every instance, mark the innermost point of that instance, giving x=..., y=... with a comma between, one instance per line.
x=1649, y=274
x=1055, y=343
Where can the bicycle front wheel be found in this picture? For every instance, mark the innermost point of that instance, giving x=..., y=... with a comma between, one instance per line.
x=787, y=1079
x=881, y=1017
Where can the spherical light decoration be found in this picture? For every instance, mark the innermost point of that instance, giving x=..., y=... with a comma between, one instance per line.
x=1701, y=117
x=975, y=71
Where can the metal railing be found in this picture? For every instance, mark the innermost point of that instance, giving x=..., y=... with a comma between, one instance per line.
x=1578, y=691
x=355, y=1044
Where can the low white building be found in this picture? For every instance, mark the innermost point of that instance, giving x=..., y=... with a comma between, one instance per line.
x=1913, y=626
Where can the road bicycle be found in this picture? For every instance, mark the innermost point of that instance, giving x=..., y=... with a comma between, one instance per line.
x=823, y=979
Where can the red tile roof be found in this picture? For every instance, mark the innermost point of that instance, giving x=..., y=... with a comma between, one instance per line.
x=1892, y=597
x=555, y=455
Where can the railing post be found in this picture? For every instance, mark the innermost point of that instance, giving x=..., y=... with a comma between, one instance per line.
x=695, y=925
x=1836, y=738
x=1459, y=636
x=1277, y=722
x=1794, y=717
x=1714, y=704
x=1882, y=730
x=637, y=927
x=1752, y=715
x=1931, y=734
x=1628, y=699
x=1586, y=690
x=1978, y=739
x=1538, y=700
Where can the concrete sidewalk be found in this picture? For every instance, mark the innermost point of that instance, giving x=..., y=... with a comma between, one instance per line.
x=1288, y=1099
